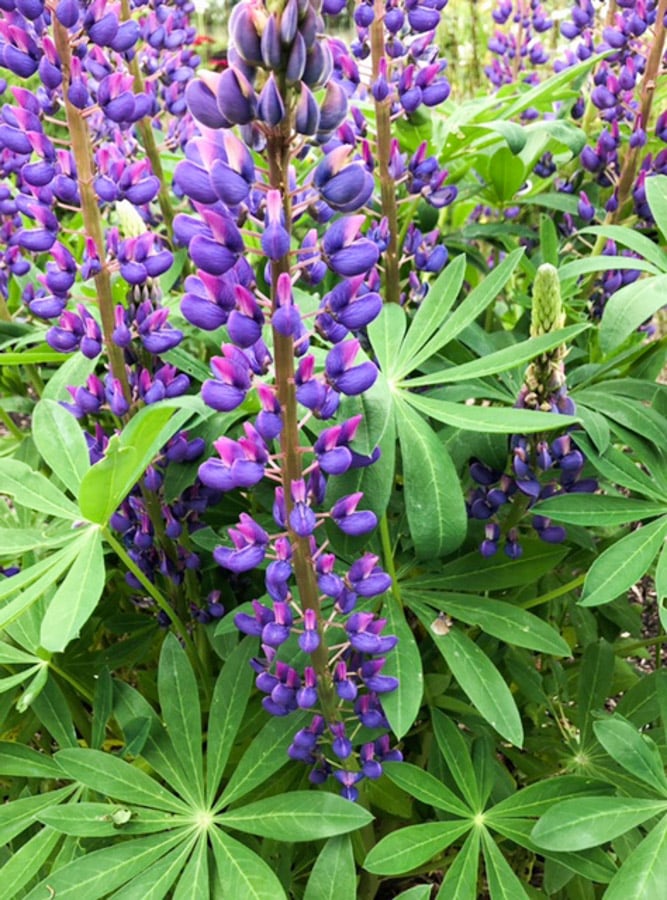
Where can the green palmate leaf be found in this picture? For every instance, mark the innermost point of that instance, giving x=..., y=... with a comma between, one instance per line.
x=456, y=753
x=60, y=441
x=656, y=194
x=298, y=816
x=503, y=883
x=502, y=620
x=410, y=847
x=633, y=239
x=334, y=874
x=628, y=307
x=24, y=762
x=142, y=728
x=622, y=564
x=104, y=819
x=434, y=501
x=480, y=680
x=155, y=882
x=635, y=752
x=194, y=882
x=589, y=821
x=96, y=874
x=493, y=419
x=474, y=304
x=230, y=698
x=179, y=702
x=430, y=315
x=128, y=455
x=76, y=598
x=501, y=361
x=643, y=874
x=117, y=779
x=596, y=509
x=426, y=787
x=241, y=873
x=24, y=864
x=536, y=799
x=265, y=755
x=34, y=491
x=386, y=334
x=461, y=879
x=401, y=706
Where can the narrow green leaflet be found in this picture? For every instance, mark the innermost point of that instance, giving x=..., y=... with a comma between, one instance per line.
x=60, y=441
x=623, y=564
x=14, y=540
x=406, y=849
x=433, y=498
x=179, y=703
x=589, y=821
x=461, y=879
x=656, y=194
x=156, y=880
x=620, y=469
x=24, y=864
x=418, y=892
x=401, y=706
x=266, y=754
x=536, y=799
x=17, y=815
x=430, y=314
x=242, y=873
x=96, y=874
x=230, y=698
x=34, y=490
x=76, y=598
x=426, y=788
x=116, y=778
x=104, y=819
x=52, y=710
x=628, y=307
x=480, y=680
x=503, y=883
x=334, y=874
x=12, y=681
x=386, y=334
x=194, y=882
x=494, y=419
x=594, y=682
x=633, y=239
x=643, y=875
x=298, y=816
x=598, y=510
x=503, y=620
x=128, y=455
x=456, y=754
x=603, y=264
x=500, y=361
x=637, y=753
x=23, y=762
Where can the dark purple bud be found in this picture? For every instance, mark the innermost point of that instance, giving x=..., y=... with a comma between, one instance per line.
x=236, y=97
x=270, y=106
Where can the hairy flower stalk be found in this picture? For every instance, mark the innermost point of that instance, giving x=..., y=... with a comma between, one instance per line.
x=90, y=211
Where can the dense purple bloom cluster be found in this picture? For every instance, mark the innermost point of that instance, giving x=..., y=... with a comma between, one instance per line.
x=516, y=45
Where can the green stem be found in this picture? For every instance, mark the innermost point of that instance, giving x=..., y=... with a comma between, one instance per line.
x=163, y=603
x=10, y=425
x=82, y=150
x=389, y=210
x=553, y=595
x=629, y=649
x=35, y=379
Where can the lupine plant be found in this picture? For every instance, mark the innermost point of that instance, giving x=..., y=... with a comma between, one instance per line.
x=333, y=498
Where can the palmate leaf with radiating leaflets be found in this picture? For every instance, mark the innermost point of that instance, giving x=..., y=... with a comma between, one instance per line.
x=61, y=444
x=181, y=712
x=97, y=873
x=118, y=779
x=479, y=679
x=589, y=821
x=334, y=874
x=434, y=502
x=228, y=705
x=401, y=706
x=242, y=873
x=643, y=875
x=406, y=849
x=623, y=564
x=509, y=623
x=77, y=596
